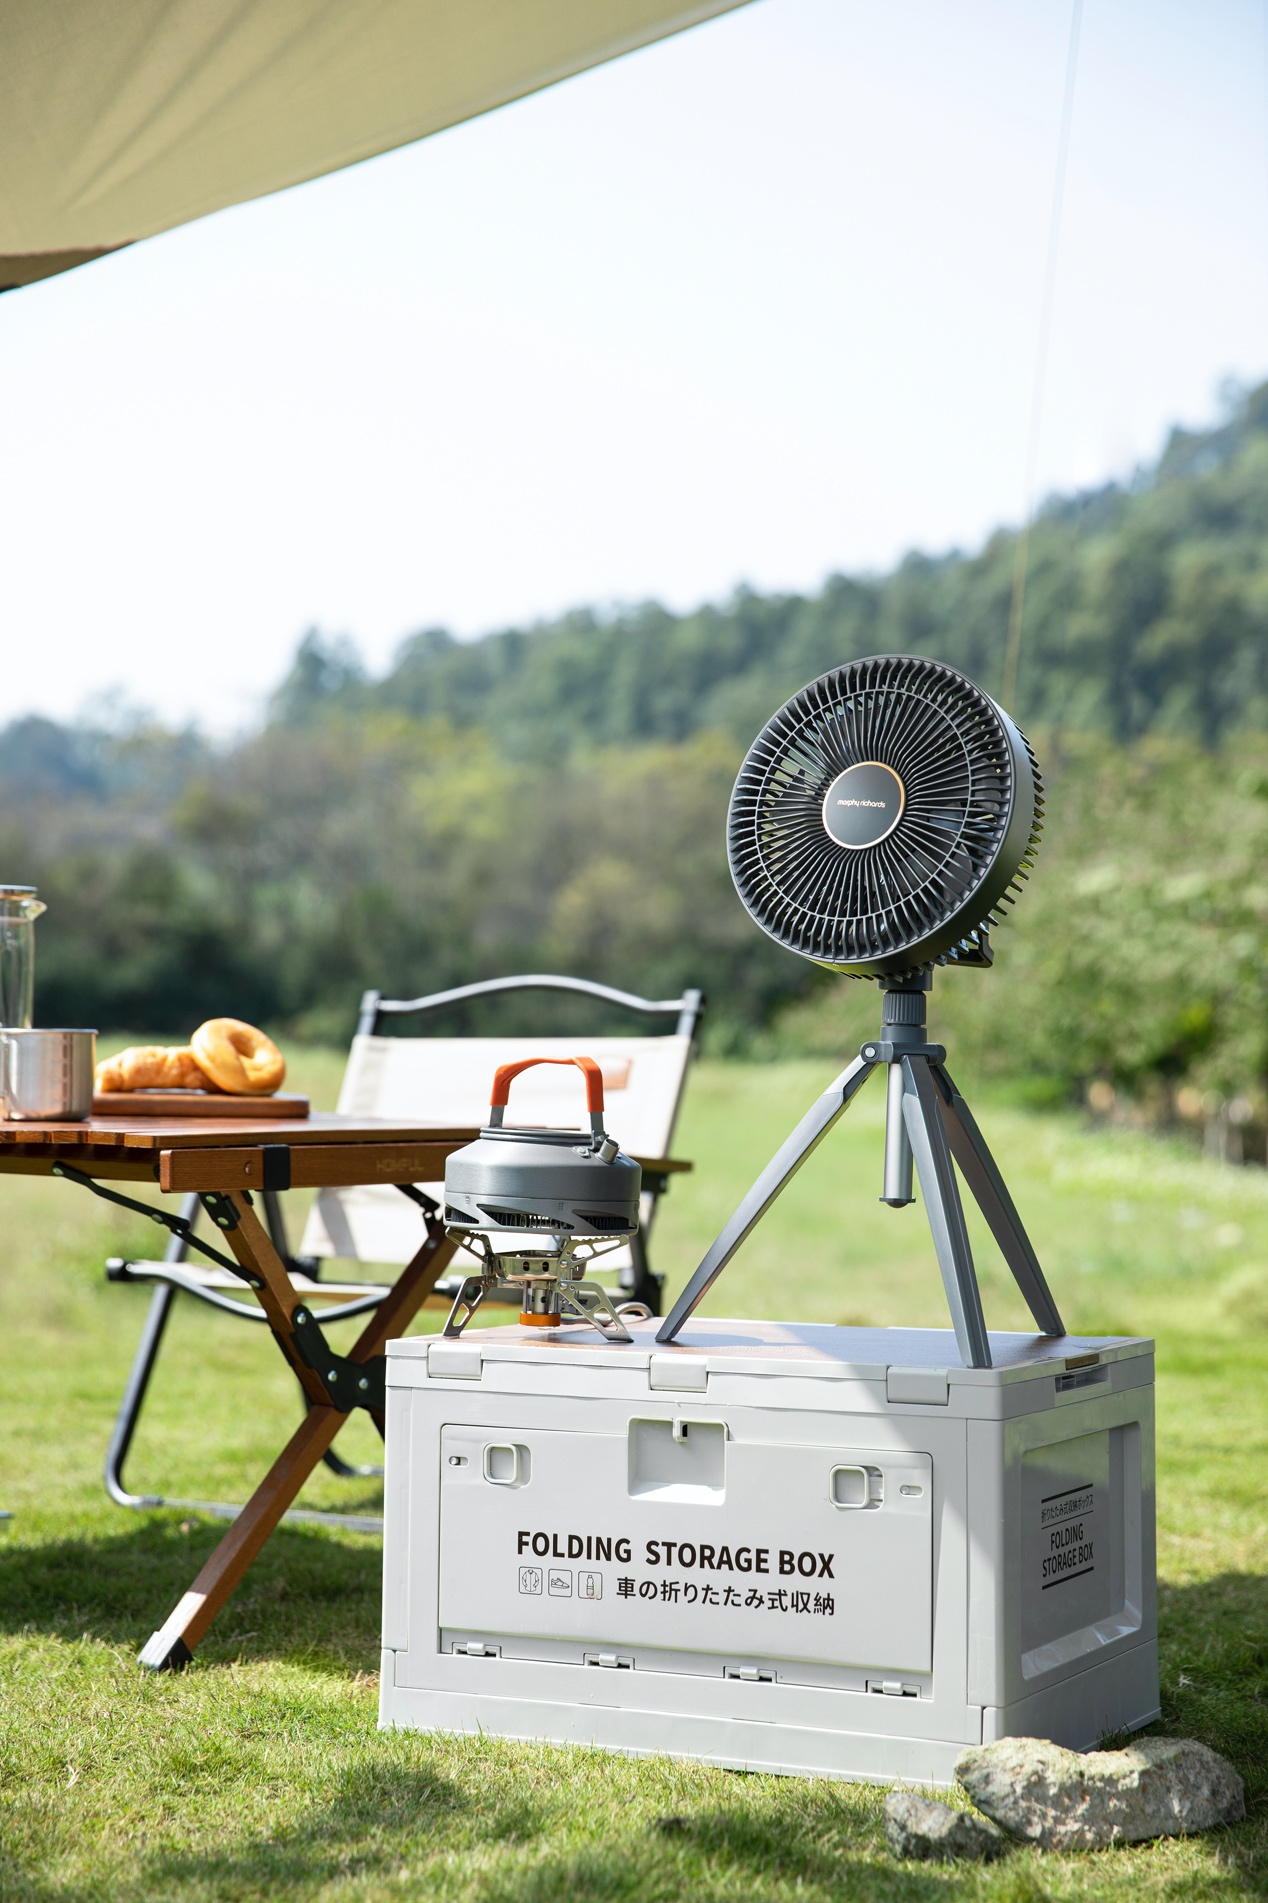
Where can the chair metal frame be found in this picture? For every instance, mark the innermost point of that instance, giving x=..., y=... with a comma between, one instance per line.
x=176, y=1275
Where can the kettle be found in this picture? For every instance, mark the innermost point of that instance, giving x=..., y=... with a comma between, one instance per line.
x=555, y=1181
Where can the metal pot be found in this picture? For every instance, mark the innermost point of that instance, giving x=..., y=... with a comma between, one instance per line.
x=46, y=1075
x=543, y=1181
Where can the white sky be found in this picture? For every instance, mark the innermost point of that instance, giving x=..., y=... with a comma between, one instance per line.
x=755, y=304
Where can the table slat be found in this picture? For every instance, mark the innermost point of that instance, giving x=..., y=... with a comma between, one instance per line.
x=159, y=1133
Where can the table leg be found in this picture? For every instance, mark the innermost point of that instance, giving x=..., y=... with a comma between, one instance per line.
x=253, y=1246
x=172, y=1646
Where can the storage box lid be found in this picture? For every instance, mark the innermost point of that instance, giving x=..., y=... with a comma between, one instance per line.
x=816, y=1350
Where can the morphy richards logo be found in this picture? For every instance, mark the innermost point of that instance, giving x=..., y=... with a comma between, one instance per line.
x=879, y=804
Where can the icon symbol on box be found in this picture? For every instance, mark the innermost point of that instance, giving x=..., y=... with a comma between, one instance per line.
x=589, y=1585
x=560, y=1584
x=530, y=1578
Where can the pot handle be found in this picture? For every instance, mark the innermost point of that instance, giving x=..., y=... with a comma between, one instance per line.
x=504, y=1073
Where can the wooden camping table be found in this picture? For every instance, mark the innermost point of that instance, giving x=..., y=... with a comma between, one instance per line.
x=223, y=1160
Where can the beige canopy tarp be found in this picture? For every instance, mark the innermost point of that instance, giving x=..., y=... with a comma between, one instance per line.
x=121, y=118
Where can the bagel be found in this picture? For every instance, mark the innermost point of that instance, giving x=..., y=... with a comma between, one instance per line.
x=237, y=1058
x=150, y=1067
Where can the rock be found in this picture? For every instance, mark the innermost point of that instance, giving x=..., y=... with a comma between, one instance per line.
x=1082, y=1800
x=916, y=1827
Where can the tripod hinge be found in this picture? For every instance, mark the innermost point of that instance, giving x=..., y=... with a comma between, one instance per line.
x=883, y=1051
x=348, y=1383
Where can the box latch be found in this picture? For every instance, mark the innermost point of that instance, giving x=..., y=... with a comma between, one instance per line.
x=678, y=1371
x=446, y=1361
x=927, y=1387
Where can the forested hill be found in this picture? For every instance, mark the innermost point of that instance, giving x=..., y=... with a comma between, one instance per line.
x=1146, y=610
x=555, y=799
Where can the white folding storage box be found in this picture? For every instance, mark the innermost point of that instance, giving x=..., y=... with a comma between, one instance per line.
x=785, y=1547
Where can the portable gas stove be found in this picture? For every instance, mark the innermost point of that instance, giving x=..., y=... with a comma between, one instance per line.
x=577, y=1199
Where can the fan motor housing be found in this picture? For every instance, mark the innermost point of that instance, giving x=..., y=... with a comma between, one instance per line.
x=883, y=817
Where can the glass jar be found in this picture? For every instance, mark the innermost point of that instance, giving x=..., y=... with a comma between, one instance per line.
x=19, y=909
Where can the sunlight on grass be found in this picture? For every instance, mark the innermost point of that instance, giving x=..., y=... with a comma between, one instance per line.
x=260, y=1772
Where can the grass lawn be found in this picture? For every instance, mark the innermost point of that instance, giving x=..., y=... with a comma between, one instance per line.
x=260, y=1771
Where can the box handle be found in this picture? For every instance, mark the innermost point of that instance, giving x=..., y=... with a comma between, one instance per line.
x=495, y=1464
x=856, y=1488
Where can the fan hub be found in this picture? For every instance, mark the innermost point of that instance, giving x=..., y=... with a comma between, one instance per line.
x=863, y=805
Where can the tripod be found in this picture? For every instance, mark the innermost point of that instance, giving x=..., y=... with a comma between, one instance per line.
x=928, y=1123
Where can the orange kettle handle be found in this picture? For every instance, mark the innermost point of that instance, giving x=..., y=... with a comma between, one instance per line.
x=504, y=1073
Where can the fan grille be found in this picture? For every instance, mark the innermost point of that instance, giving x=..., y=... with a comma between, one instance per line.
x=919, y=892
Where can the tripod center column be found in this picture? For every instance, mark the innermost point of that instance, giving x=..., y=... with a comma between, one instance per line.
x=902, y=1022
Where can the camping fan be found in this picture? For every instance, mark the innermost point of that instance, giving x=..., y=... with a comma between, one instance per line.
x=881, y=820
x=882, y=816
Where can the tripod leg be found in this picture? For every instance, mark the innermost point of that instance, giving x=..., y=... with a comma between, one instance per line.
x=945, y=1212
x=783, y=1166
x=989, y=1191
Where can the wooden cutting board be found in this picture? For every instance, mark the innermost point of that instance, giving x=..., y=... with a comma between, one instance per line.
x=194, y=1103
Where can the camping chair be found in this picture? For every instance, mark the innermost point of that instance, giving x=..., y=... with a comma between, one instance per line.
x=446, y=1080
